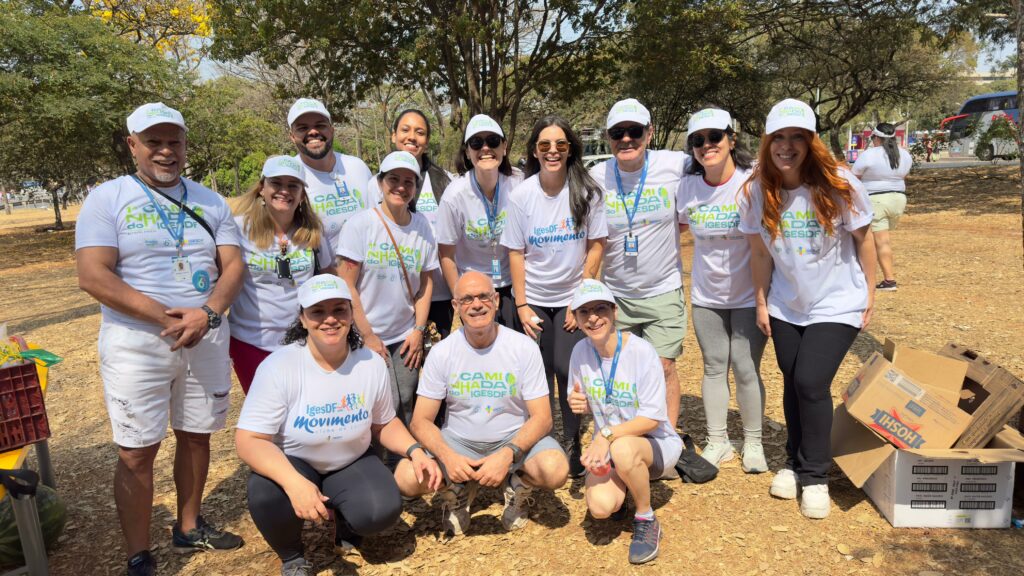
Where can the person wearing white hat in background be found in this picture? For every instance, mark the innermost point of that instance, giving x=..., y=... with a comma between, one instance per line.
x=615, y=375
x=411, y=133
x=807, y=219
x=391, y=296
x=306, y=427
x=160, y=253
x=474, y=211
x=882, y=168
x=722, y=293
x=283, y=245
x=641, y=258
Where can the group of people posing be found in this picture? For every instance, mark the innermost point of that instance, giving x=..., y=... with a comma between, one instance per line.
x=565, y=282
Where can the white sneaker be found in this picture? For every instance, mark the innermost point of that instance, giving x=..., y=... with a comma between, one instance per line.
x=718, y=453
x=456, y=500
x=814, y=501
x=784, y=485
x=753, y=458
x=518, y=501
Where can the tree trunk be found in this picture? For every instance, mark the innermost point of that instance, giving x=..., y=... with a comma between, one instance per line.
x=213, y=181
x=58, y=223
x=236, y=179
x=833, y=140
x=1019, y=18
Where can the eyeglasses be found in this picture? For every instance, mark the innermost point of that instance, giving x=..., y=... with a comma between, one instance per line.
x=713, y=137
x=477, y=142
x=635, y=131
x=560, y=145
x=484, y=298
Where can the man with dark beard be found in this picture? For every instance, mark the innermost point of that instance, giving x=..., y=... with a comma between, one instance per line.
x=336, y=183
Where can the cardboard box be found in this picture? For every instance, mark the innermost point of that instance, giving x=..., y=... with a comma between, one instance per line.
x=902, y=409
x=941, y=375
x=990, y=394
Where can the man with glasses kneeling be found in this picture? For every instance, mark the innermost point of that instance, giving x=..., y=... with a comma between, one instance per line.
x=499, y=417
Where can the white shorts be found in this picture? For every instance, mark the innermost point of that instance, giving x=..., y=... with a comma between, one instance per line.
x=144, y=383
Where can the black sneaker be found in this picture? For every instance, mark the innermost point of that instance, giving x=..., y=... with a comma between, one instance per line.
x=141, y=564
x=886, y=286
x=204, y=537
x=576, y=468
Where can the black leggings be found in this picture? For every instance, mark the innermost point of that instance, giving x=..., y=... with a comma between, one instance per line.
x=556, y=346
x=442, y=314
x=363, y=494
x=809, y=357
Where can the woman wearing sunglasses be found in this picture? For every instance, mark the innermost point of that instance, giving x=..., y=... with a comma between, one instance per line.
x=411, y=133
x=555, y=236
x=641, y=260
x=721, y=292
x=813, y=265
x=474, y=212
x=283, y=245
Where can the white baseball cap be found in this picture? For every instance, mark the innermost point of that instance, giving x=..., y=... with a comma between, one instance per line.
x=628, y=110
x=591, y=290
x=400, y=159
x=283, y=166
x=305, y=106
x=790, y=113
x=709, y=118
x=482, y=123
x=148, y=115
x=322, y=287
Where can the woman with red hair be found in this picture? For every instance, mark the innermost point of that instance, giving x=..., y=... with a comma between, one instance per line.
x=808, y=220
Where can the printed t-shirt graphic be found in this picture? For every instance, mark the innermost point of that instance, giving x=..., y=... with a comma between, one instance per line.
x=320, y=416
x=462, y=222
x=542, y=226
x=381, y=285
x=817, y=277
x=119, y=214
x=339, y=194
x=721, y=253
x=655, y=269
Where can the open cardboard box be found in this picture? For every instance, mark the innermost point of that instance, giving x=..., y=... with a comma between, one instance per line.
x=990, y=394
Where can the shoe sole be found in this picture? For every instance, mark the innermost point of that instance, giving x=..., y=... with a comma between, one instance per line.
x=194, y=549
x=728, y=458
x=886, y=289
x=784, y=493
x=815, y=513
x=755, y=469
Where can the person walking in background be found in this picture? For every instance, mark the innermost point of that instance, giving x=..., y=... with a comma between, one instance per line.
x=882, y=169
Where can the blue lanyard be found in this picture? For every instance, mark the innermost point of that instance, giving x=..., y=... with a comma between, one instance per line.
x=636, y=197
x=609, y=379
x=490, y=208
x=178, y=232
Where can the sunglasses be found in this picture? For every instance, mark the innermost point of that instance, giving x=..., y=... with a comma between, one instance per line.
x=477, y=142
x=635, y=131
x=713, y=137
x=561, y=146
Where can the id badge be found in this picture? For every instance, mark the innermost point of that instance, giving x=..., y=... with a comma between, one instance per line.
x=495, y=269
x=182, y=268
x=284, y=268
x=632, y=245
x=342, y=188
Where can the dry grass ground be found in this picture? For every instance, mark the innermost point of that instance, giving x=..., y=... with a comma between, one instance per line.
x=959, y=266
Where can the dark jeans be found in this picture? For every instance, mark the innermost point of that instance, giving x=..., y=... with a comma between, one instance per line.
x=363, y=494
x=556, y=346
x=809, y=357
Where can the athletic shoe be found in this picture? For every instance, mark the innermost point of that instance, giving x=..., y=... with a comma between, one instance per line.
x=141, y=564
x=204, y=537
x=345, y=540
x=455, y=502
x=753, y=458
x=784, y=485
x=886, y=286
x=814, y=501
x=576, y=468
x=297, y=567
x=718, y=452
x=518, y=501
x=646, y=535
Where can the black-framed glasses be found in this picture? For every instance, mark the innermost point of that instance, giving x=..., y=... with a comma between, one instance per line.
x=635, y=131
x=561, y=146
x=698, y=140
x=468, y=299
x=477, y=142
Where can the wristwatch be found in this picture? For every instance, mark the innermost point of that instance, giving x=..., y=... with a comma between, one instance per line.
x=607, y=433
x=517, y=452
x=212, y=318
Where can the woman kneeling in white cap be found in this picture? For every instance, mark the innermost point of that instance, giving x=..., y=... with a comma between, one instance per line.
x=617, y=377
x=306, y=426
x=813, y=264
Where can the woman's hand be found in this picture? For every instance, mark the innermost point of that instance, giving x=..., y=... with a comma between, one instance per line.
x=865, y=318
x=375, y=344
x=531, y=323
x=578, y=400
x=307, y=501
x=412, y=350
x=763, y=321
x=596, y=455
x=426, y=467
x=570, y=320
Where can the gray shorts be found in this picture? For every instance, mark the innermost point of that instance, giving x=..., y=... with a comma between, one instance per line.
x=477, y=450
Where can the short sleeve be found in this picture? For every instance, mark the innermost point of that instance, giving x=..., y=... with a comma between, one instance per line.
x=97, y=224
x=750, y=208
x=430, y=261
x=861, y=165
x=325, y=254
x=651, y=386
x=534, y=383
x=372, y=186
x=227, y=232
x=575, y=369
x=862, y=212
x=512, y=236
x=352, y=238
x=383, y=403
x=906, y=163
x=683, y=195
x=433, y=382
x=266, y=405
x=597, y=220
x=448, y=225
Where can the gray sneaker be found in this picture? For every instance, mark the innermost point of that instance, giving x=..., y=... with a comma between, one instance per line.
x=718, y=452
x=753, y=458
x=518, y=501
x=297, y=567
x=456, y=500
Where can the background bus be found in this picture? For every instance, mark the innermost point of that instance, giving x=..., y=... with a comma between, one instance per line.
x=966, y=127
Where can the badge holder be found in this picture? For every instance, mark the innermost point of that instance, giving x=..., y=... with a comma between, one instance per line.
x=284, y=268
x=182, y=268
x=632, y=245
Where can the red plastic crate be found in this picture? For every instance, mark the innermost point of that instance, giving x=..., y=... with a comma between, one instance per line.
x=22, y=411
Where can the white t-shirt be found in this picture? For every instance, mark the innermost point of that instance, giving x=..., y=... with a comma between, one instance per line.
x=119, y=214
x=721, y=254
x=638, y=388
x=267, y=305
x=872, y=167
x=486, y=390
x=339, y=194
x=322, y=417
x=816, y=278
x=542, y=226
x=381, y=287
x=656, y=268
x=462, y=222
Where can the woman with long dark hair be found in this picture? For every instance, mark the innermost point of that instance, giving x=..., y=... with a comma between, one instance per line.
x=813, y=266
x=555, y=237
x=882, y=169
